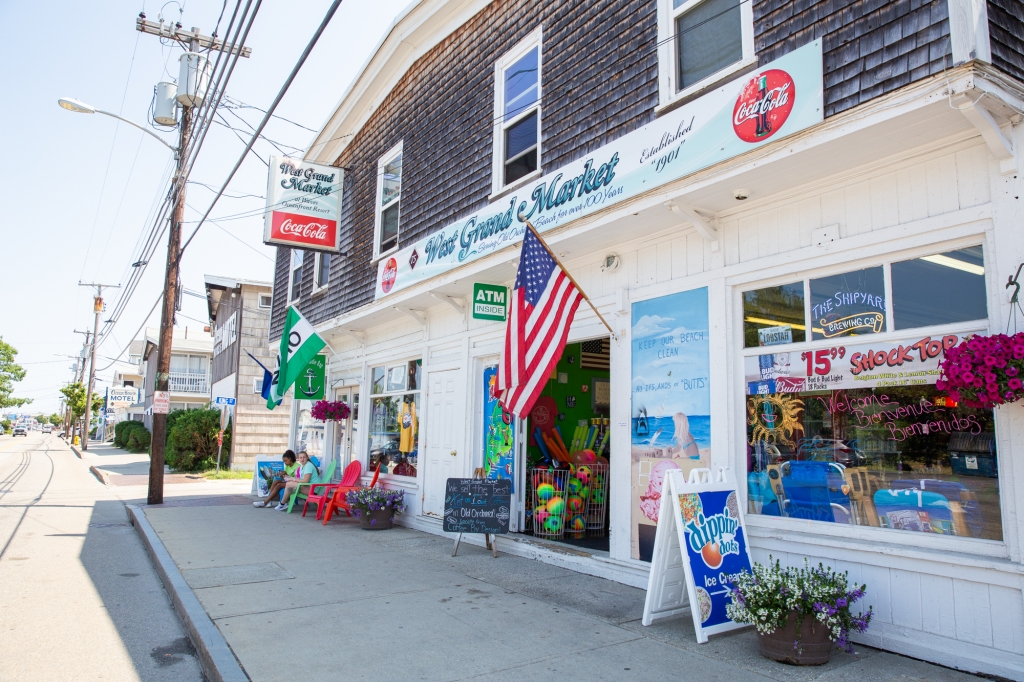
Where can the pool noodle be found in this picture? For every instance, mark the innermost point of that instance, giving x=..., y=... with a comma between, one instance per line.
x=591, y=437
x=539, y=437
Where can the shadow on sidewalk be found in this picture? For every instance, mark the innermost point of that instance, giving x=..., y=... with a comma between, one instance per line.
x=134, y=598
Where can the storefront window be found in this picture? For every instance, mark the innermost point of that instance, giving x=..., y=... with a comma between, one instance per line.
x=774, y=315
x=939, y=289
x=394, y=424
x=850, y=304
x=860, y=435
x=309, y=433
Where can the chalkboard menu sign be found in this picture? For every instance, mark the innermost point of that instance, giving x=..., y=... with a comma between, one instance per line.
x=474, y=505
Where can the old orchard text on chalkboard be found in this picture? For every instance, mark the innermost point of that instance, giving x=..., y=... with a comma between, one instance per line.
x=474, y=505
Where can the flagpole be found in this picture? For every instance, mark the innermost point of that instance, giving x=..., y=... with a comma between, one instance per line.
x=571, y=278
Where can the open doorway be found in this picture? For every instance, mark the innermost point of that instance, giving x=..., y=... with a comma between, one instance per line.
x=565, y=495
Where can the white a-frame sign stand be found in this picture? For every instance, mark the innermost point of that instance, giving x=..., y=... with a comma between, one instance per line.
x=701, y=538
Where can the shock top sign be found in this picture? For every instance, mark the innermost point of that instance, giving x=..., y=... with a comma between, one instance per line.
x=303, y=203
x=783, y=98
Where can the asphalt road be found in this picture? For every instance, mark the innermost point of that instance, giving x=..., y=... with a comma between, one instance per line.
x=79, y=599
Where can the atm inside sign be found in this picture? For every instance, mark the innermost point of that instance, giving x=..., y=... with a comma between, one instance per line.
x=490, y=302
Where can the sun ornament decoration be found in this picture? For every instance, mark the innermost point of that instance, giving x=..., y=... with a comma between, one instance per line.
x=774, y=418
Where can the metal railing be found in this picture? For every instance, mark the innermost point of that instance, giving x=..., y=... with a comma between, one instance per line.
x=186, y=382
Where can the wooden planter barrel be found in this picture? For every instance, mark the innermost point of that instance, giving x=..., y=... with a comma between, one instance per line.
x=380, y=519
x=815, y=647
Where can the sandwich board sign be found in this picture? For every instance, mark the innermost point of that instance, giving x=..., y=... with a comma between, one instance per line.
x=701, y=539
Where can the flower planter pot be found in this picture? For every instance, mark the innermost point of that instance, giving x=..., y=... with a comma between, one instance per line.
x=380, y=519
x=815, y=647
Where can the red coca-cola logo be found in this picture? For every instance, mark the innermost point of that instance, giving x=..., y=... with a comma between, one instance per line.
x=298, y=229
x=763, y=105
x=390, y=274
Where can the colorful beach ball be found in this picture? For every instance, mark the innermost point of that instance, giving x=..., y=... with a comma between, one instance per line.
x=577, y=523
x=585, y=492
x=556, y=506
x=584, y=473
x=575, y=504
x=574, y=486
x=553, y=525
x=597, y=496
x=545, y=491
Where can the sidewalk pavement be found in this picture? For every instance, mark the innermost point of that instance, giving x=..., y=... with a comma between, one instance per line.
x=118, y=467
x=285, y=591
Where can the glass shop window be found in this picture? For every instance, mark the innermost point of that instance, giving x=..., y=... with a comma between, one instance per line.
x=850, y=304
x=394, y=420
x=940, y=289
x=905, y=458
x=774, y=315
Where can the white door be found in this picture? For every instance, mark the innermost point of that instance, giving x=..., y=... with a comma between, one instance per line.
x=346, y=430
x=444, y=456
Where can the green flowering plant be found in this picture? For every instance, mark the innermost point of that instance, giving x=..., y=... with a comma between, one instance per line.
x=767, y=596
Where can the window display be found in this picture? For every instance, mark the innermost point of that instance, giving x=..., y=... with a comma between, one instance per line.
x=860, y=435
x=394, y=420
x=849, y=304
x=774, y=315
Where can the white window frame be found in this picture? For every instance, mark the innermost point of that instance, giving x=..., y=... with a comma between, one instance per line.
x=668, y=65
x=317, y=256
x=291, y=272
x=257, y=385
x=378, y=209
x=268, y=297
x=535, y=39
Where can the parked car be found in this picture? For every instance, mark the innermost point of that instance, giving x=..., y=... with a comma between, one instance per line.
x=47, y=428
x=20, y=431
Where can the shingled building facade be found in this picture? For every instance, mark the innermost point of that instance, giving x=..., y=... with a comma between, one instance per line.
x=837, y=180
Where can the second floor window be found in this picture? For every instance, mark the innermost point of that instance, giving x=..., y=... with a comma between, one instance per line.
x=702, y=41
x=321, y=270
x=389, y=201
x=295, y=275
x=517, y=112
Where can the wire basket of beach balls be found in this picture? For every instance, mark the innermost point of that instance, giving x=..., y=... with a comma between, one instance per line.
x=594, y=481
x=549, y=501
x=577, y=500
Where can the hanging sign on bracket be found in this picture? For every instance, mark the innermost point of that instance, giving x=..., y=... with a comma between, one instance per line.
x=701, y=539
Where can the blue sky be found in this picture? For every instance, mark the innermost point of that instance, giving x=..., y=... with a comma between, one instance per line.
x=77, y=188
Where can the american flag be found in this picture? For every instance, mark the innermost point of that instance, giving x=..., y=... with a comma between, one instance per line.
x=544, y=302
x=595, y=354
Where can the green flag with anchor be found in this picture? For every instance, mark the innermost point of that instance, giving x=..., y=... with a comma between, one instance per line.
x=300, y=344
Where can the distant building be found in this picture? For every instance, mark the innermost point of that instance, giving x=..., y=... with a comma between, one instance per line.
x=127, y=374
x=191, y=354
x=240, y=320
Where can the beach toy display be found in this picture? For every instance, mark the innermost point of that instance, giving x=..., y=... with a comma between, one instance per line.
x=597, y=498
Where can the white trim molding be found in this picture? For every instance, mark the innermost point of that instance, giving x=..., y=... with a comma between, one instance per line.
x=968, y=31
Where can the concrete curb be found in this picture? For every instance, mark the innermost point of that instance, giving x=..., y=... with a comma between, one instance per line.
x=78, y=453
x=215, y=656
x=100, y=474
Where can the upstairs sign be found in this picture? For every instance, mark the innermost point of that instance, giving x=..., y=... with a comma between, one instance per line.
x=303, y=202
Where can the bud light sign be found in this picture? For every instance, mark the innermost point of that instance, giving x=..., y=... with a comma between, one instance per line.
x=701, y=540
x=303, y=202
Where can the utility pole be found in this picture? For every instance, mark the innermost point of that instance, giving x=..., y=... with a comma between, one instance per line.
x=97, y=308
x=79, y=378
x=192, y=40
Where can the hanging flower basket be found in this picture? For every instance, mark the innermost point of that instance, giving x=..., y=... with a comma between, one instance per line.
x=984, y=371
x=330, y=410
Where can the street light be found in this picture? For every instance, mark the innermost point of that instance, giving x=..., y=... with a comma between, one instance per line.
x=80, y=107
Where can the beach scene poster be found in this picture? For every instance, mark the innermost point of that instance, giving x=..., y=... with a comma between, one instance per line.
x=671, y=402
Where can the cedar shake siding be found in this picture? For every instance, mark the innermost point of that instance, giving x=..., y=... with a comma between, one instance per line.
x=1005, y=19
x=871, y=46
x=600, y=81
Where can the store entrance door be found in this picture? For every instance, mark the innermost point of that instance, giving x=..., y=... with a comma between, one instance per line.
x=444, y=459
x=346, y=430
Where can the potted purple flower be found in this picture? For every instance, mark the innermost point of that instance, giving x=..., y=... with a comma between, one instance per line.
x=376, y=507
x=330, y=411
x=984, y=371
x=801, y=614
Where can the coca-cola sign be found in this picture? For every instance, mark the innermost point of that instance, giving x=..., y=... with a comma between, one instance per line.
x=303, y=200
x=390, y=274
x=763, y=105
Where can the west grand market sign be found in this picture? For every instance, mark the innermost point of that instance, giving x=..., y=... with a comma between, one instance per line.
x=780, y=99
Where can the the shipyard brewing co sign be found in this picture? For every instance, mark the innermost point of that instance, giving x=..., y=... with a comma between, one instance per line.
x=303, y=203
x=783, y=98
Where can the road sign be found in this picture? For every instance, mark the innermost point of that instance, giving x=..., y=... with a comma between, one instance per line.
x=161, y=402
x=490, y=302
x=221, y=400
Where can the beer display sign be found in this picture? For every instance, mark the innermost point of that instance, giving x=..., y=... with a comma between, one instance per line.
x=303, y=203
x=781, y=98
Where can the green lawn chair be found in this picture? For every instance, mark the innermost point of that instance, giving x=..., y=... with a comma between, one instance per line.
x=303, y=490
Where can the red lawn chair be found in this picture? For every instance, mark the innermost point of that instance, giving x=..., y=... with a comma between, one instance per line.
x=321, y=499
x=338, y=500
